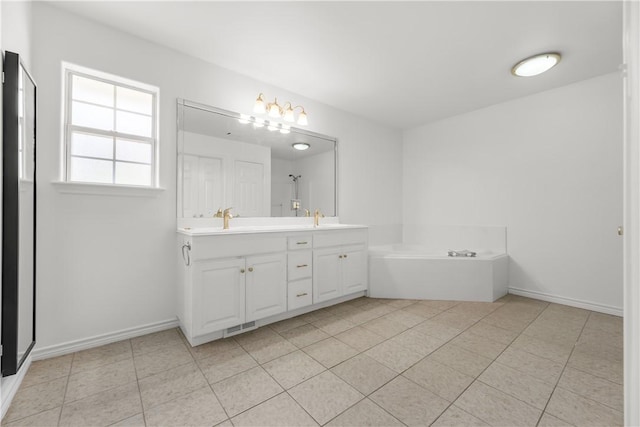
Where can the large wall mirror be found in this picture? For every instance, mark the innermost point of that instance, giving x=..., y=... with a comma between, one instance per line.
x=18, y=220
x=228, y=160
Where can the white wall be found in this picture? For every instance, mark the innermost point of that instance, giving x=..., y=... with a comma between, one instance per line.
x=17, y=29
x=107, y=263
x=549, y=167
x=15, y=36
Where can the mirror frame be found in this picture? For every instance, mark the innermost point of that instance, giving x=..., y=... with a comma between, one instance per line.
x=180, y=106
x=13, y=66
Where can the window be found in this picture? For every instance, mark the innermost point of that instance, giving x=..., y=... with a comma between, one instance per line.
x=110, y=129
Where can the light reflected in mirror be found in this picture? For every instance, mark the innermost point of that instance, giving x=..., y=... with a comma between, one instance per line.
x=228, y=160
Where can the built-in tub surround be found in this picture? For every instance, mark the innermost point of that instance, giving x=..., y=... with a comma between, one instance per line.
x=422, y=269
x=265, y=270
x=414, y=272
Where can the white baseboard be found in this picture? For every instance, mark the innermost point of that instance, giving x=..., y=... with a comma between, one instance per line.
x=11, y=384
x=98, y=340
x=600, y=308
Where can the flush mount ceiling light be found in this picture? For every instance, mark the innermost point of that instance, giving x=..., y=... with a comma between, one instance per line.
x=273, y=109
x=301, y=146
x=536, y=64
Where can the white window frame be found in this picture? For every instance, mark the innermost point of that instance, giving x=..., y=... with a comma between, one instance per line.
x=69, y=70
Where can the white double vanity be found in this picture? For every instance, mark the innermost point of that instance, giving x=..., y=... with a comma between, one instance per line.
x=238, y=279
x=272, y=262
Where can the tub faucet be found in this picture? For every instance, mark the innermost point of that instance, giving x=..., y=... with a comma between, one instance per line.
x=316, y=217
x=226, y=217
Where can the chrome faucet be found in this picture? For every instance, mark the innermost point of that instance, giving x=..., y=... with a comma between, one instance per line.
x=226, y=216
x=316, y=217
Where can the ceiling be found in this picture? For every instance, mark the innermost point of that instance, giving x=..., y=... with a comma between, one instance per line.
x=401, y=64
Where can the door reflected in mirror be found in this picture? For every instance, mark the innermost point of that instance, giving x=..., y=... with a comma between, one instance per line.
x=260, y=169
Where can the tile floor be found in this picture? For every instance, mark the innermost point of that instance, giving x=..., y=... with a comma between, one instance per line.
x=516, y=362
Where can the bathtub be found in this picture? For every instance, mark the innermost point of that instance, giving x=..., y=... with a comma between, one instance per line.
x=416, y=272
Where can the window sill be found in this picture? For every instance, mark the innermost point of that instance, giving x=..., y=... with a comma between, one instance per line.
x=106, y=189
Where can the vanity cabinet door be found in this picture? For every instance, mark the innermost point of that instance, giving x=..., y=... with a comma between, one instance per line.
x=326, y=274
x=354, y=269
x=266, y=285
x=218, y=294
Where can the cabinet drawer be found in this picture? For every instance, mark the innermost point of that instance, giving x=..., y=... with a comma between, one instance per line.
x=300, y=294
x=304, y=241
x=300, y=264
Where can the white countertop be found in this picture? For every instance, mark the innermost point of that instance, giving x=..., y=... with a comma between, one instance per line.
x=248, y=229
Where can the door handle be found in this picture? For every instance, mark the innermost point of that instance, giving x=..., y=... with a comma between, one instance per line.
x=620, y=231
x=242, y=270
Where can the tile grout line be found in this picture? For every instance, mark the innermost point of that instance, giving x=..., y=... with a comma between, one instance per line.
x=365, y=396
x=562, y=372
x=478, y=376
x=135, y=370
x=207, y=381
x=329, y=369
x=394, y=309
x=399, y=345
x=66, y=386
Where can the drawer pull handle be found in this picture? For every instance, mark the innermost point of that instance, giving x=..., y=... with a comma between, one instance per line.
x=250, y=269
x=302, y=265
x=242, y=270
x=302, y=243
x=345, y=255
x=302, y=294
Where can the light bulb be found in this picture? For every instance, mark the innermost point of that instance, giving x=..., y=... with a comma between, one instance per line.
x=288, y=115
x=259, y=106
x=302, y=119
x=274, y=109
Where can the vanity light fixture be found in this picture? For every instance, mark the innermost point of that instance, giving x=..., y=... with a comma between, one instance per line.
x=301, y=146
x=536, y=64
x=273, y=109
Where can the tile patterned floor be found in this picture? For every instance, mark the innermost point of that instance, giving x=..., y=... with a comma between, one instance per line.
x=516, y=362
